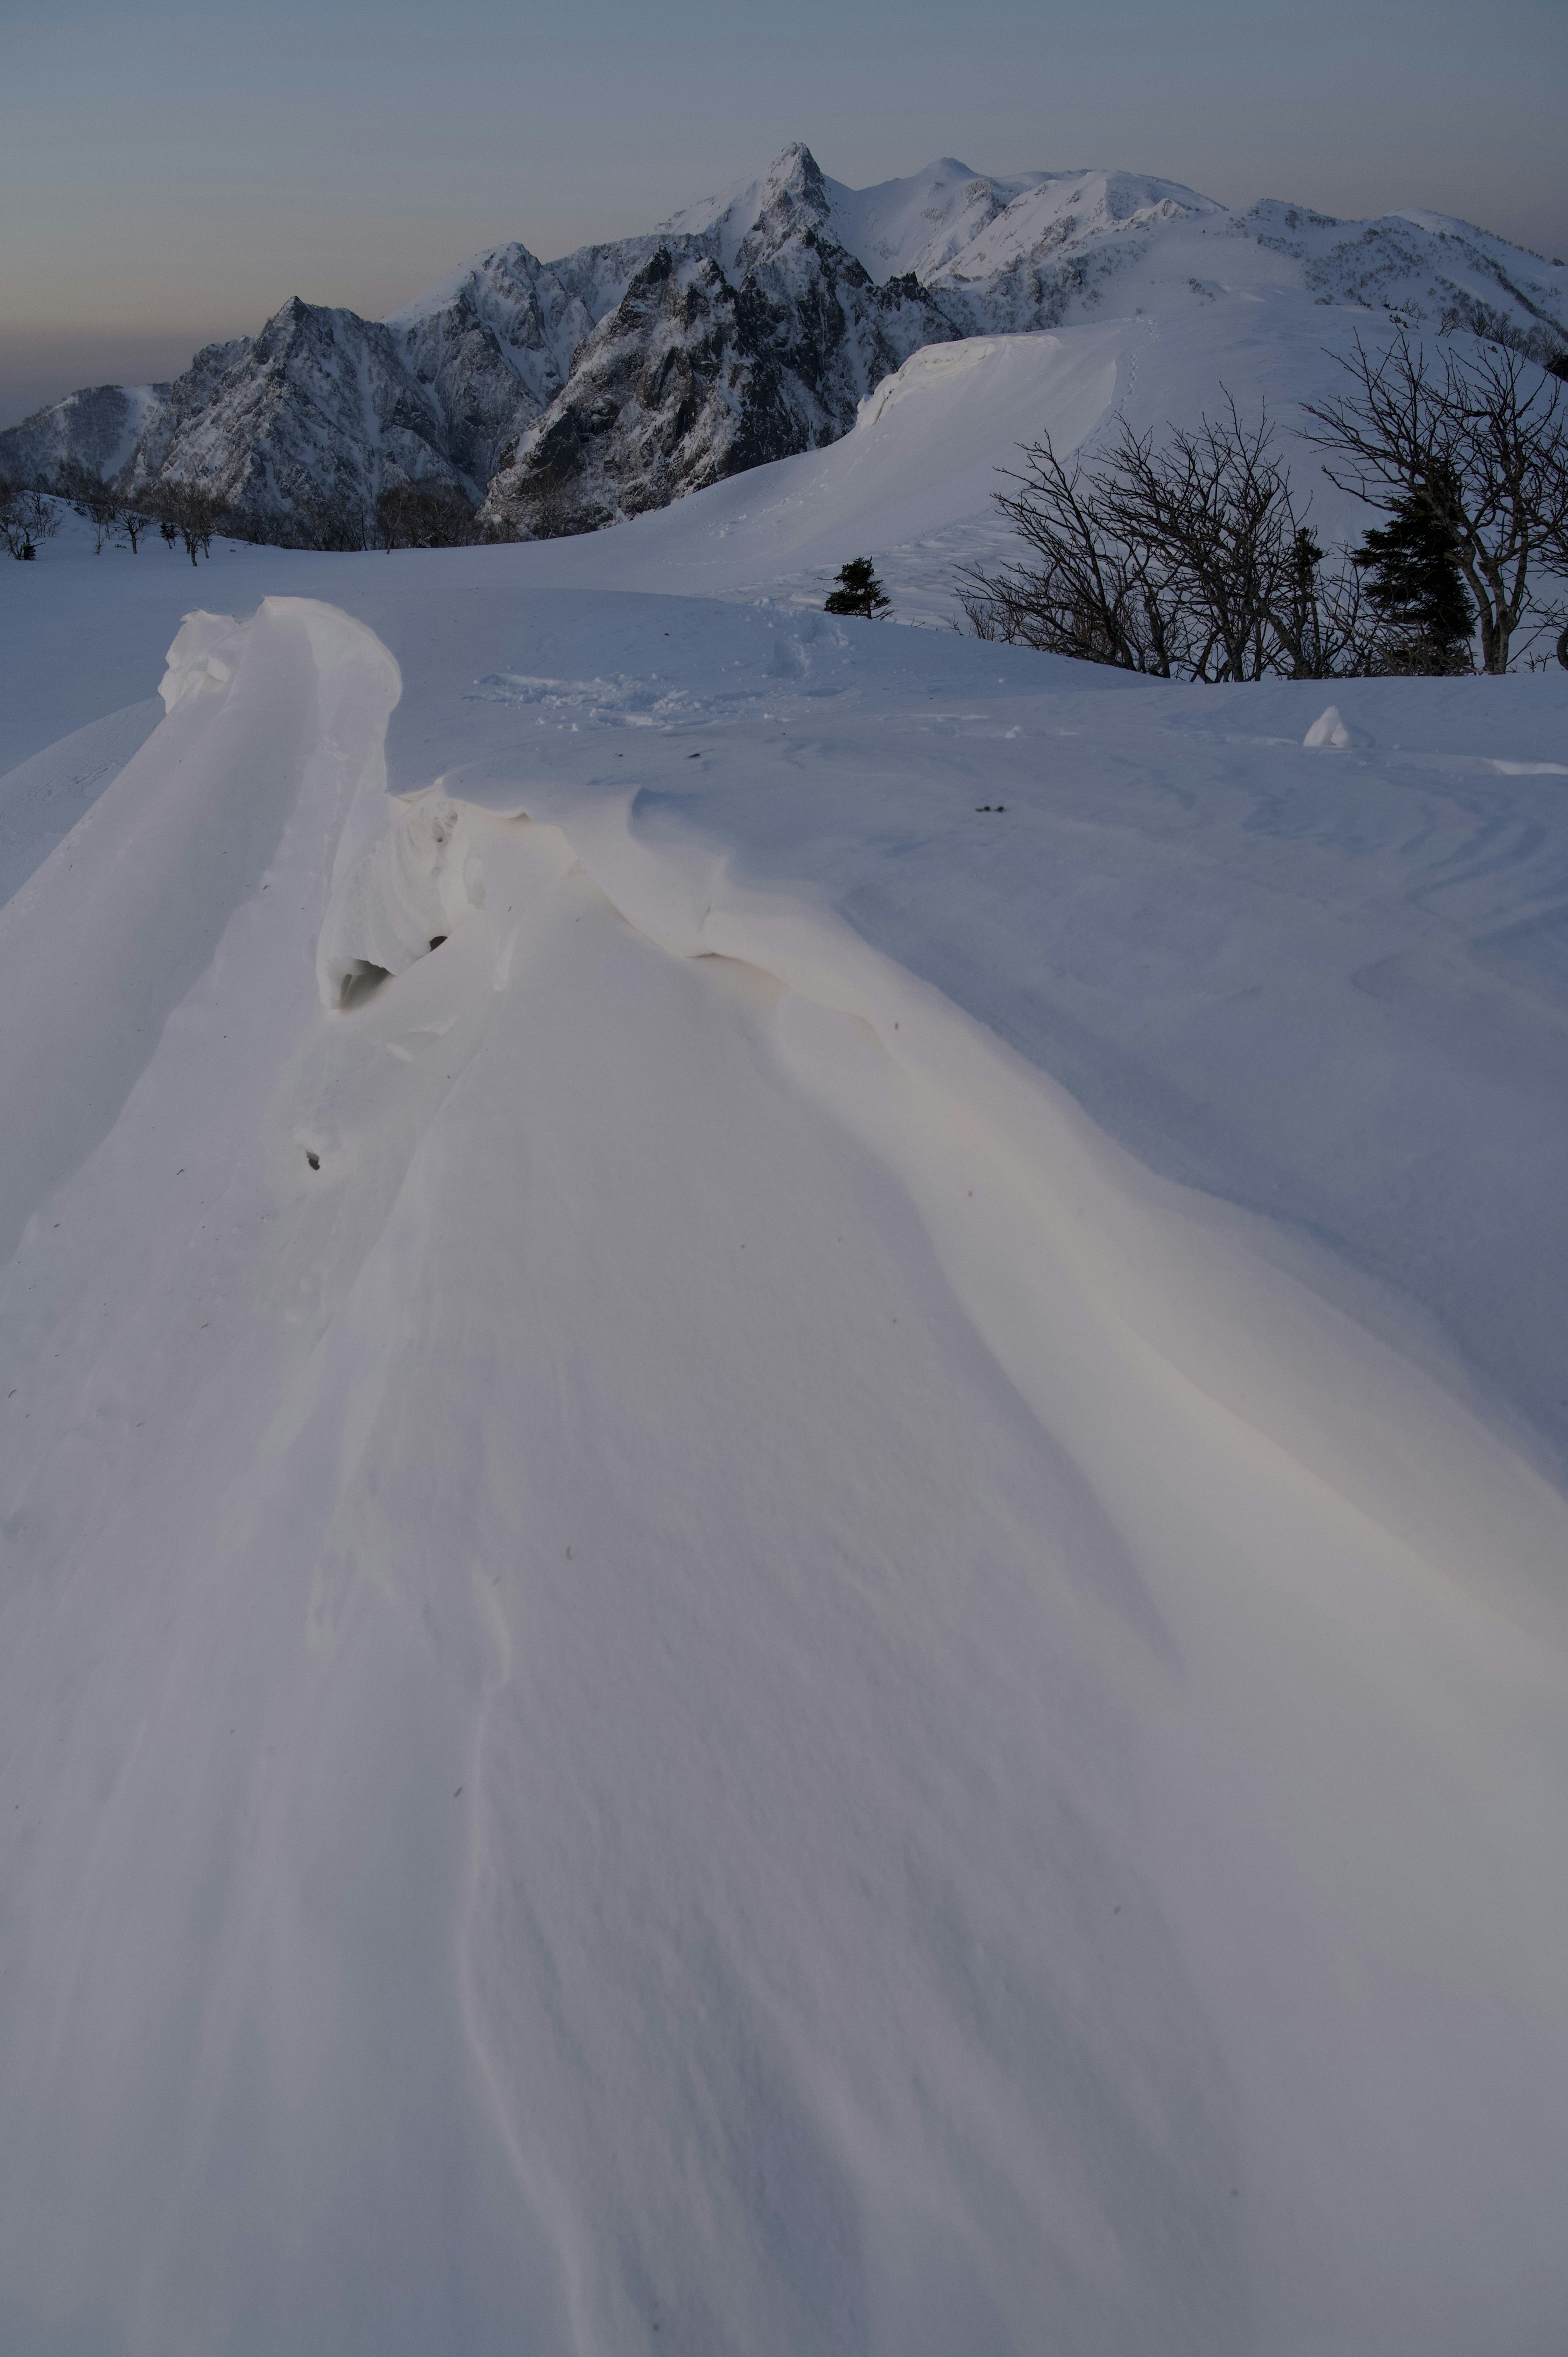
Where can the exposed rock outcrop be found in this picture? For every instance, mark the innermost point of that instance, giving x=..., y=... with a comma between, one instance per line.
x=558, y=396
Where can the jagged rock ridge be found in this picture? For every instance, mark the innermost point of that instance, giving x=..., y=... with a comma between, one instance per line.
x=563, y=395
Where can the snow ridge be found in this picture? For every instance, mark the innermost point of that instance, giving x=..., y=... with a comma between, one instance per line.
x=679, y=1662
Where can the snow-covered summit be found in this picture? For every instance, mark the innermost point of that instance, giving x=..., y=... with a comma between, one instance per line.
x=749, y=326
x=793, y=192
x=951, y=225
x=946, y=222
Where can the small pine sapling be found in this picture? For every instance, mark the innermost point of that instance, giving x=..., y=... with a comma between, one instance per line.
x=858, y=591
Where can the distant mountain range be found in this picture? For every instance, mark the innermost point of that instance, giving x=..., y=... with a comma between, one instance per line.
x=561, y=396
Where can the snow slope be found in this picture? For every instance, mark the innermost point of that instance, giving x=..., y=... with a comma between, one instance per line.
x=912, y=482
x=810, y=1598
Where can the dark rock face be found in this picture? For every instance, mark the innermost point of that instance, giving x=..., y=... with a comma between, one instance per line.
x=691, y=378
x=698, y=373
x=307, y=417
x=99, y=428
x=565, y=394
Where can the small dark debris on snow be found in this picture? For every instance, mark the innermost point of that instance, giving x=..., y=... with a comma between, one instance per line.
x=314, y=1160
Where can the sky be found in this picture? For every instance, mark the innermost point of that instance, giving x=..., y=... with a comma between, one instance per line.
x=171, y=172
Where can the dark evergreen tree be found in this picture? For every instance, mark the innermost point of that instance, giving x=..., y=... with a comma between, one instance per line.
x=1414, y=585
x=859, y=591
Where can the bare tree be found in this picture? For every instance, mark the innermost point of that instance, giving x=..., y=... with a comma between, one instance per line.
x=424, y=515
x=91, y=497
x=1322, y=619
x=1480, y=441
x=1188, y=561
x=334, y=520
x=1213, y=511
x=26, y=518
x=1086, y=593
x=191, y=515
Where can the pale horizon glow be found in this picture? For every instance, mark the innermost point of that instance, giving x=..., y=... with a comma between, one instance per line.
x=171, y=176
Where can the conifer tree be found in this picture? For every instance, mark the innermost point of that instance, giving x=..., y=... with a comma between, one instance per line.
x=1413, y=583
x=859, y=591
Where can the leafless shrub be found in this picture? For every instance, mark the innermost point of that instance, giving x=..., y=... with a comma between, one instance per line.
x=91, y=497
x=1481, y=439
x=424, y=515
x=189, y=515
x=1190, y=560
x=334, y=520
x=26, y=517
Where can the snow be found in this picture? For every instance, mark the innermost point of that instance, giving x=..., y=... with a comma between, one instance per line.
x=806, y=1590
x=947, y=222
x=461, y=386
x=1330, y=729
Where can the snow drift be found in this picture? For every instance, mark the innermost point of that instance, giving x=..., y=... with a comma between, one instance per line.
x=682, y=1664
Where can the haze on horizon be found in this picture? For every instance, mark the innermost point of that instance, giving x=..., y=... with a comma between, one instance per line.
x=171, y=176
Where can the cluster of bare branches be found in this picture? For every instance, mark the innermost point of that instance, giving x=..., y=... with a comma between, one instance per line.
x=424, y=515
x=1193, y=559
x=183, y=514
x=405, y=515
x=1190, y=560
x=1481, y=441
x=402, y=515
x=26, y=518
x=103, y=507
x=187, y=517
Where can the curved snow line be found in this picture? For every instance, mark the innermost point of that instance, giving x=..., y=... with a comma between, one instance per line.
x=1348, y=1573
x=285, y=711
x=1192, y=1286
x=1189, y=1286
x=585, y=1645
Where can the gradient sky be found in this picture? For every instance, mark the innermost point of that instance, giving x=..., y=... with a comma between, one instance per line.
x=170, y=172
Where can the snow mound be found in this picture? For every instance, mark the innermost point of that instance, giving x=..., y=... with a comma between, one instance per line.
x=1328, y=728
x=202, y=658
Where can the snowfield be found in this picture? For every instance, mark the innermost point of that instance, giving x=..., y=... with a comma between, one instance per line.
x=784, y=1443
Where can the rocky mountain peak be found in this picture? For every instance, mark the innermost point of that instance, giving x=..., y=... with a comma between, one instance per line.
x=749, y=326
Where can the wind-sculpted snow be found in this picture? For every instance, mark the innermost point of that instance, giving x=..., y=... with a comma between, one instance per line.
x=679, y=1664
x=572, y=394
x=162, y=865
x=399, y=899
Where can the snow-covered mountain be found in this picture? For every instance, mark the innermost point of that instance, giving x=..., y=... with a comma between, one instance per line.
x=748, y=326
